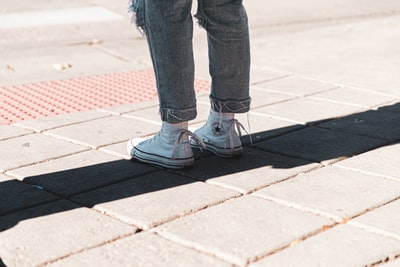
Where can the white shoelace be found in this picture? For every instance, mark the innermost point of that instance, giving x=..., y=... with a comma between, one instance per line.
x=236, y=125
x=199, y=142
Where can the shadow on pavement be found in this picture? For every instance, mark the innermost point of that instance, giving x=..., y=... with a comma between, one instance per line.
x=282, y=148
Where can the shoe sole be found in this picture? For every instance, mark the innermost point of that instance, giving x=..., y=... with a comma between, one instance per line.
x=162, y=161
x=222, y=152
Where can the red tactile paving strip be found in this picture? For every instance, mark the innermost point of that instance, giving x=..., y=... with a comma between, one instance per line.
x=35, y=100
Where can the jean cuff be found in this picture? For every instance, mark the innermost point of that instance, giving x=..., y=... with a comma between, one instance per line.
x=173, y=115
x=230, y=106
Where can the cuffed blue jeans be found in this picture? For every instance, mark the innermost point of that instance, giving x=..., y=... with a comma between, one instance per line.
x=168, y=26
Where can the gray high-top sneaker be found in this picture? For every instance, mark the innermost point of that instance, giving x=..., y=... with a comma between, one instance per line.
x=220, y=135
x=169, y=148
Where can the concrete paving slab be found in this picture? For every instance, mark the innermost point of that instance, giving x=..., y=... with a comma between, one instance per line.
x=306, y=110
x=372, y=123
x=63, y=16
x=104, y=131
x=8, y=131
x=45, y=233
x=48, y=123
x=255, y=169
x=17, y=195
x=320, y=145
x=333, y=192
x=45, y=4
x=81, y=58
x=355, y=54
x=154, y=199
x=355, y=96
x=143, y=249
x=280, y=13
x=34, y=148
x=297, y=85
x=385, y=219
x=242, y=229
x=383, y=161
x=81, y=172
x=341, y=246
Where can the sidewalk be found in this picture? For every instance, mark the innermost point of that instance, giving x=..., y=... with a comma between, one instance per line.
x=319, y=186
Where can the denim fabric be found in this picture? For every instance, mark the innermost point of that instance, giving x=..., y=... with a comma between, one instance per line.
x=168, y=26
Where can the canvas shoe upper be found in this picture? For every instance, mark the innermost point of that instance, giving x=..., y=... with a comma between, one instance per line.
x=169, y=148
x=221, y=137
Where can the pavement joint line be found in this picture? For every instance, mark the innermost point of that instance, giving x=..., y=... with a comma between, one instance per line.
x=270, y=69
x=111, y=53
x=297, y=241
x=265, y=89
x=255, y=190
x=336, y=85
x=70, y=140
x=277, y=117
x=347, y=221
x=21, y=125
x=384, y=261
x=17, y=136
x=271, y=79
x=395, y=97
x=51, y=261
x=156, y=224
x=226, y=257
x=104, y=110
x=391, y=178
x=373, y=229
x=298, y=207
x=312, y=97
x=113, y=153
x=260, y=89
x=142, y=119
x=212, y=254
x=200, y=248
x=338, y=220
x=7, y=171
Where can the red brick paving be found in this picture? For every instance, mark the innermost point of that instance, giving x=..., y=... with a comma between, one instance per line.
x=35, y=100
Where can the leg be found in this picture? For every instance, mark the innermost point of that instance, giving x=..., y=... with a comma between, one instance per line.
x=168, y=27
x=229, y=58
x=226, y=24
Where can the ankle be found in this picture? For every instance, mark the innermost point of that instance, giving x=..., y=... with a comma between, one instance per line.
x=221, y=116
x=172, y=126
